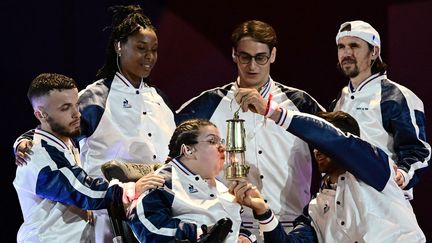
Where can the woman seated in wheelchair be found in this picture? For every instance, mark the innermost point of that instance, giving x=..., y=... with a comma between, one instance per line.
x=192, y=205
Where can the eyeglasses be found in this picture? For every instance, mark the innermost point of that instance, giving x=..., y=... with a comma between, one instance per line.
x=214, y=141
x=245, y=58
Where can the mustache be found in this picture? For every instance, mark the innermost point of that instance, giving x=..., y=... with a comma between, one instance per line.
x=348, y=60
x=75, y=121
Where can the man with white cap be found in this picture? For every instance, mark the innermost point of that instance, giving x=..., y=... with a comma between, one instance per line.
x=390, y=115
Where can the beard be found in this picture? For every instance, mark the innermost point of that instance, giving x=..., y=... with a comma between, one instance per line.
x=349, y=72
x=61, y=129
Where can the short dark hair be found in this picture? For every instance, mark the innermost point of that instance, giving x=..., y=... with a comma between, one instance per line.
x=126, y=21
x=257, y=30
x=342, y=120
x=44, y=83
x=186, y=133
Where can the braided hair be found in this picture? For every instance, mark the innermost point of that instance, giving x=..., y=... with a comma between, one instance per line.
x=126, y=21
x=186, y=133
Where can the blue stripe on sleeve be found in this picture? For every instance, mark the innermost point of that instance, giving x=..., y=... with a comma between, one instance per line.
x=407, y=144
x=70, y=184
x=421, y=123
x=152, y=220
x=157, y=224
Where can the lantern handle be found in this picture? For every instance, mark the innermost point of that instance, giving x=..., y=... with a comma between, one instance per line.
x=236, y=113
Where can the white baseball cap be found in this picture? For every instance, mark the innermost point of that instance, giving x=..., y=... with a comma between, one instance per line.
x=361, y=30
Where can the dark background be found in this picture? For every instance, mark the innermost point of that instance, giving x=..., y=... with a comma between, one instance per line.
x=194, y=55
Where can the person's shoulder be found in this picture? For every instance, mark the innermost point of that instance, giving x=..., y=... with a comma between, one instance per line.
x=39, y=159
x=217, y=91
x=297, y=96
x=208, y=98
x=397, y=91
x=290, y=90
x=397, y=85
x=96, y=87
x=95, y=92
x=166, y=172
x=300, y=98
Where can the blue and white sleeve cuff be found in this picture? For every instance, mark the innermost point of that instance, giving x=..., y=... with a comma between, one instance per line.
x=285, y=118
x=267, y=221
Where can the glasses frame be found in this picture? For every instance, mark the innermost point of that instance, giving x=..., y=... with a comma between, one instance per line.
x=250, y=57
x=220, y=142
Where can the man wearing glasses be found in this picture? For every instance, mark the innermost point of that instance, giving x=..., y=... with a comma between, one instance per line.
x=280, y=164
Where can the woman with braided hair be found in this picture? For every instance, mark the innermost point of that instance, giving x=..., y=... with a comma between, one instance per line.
x=122, y=116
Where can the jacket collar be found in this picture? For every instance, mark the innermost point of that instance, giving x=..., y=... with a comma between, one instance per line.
x=264, y=90
x=182, y=167
x=50, y=138
x=370, y=79
x=125, y=82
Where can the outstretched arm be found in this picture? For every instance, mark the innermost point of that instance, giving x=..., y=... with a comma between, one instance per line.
x=365, y=161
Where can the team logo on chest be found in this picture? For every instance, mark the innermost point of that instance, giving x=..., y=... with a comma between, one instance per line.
x=192, y=189
x=326, y=207
x=126, y=104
